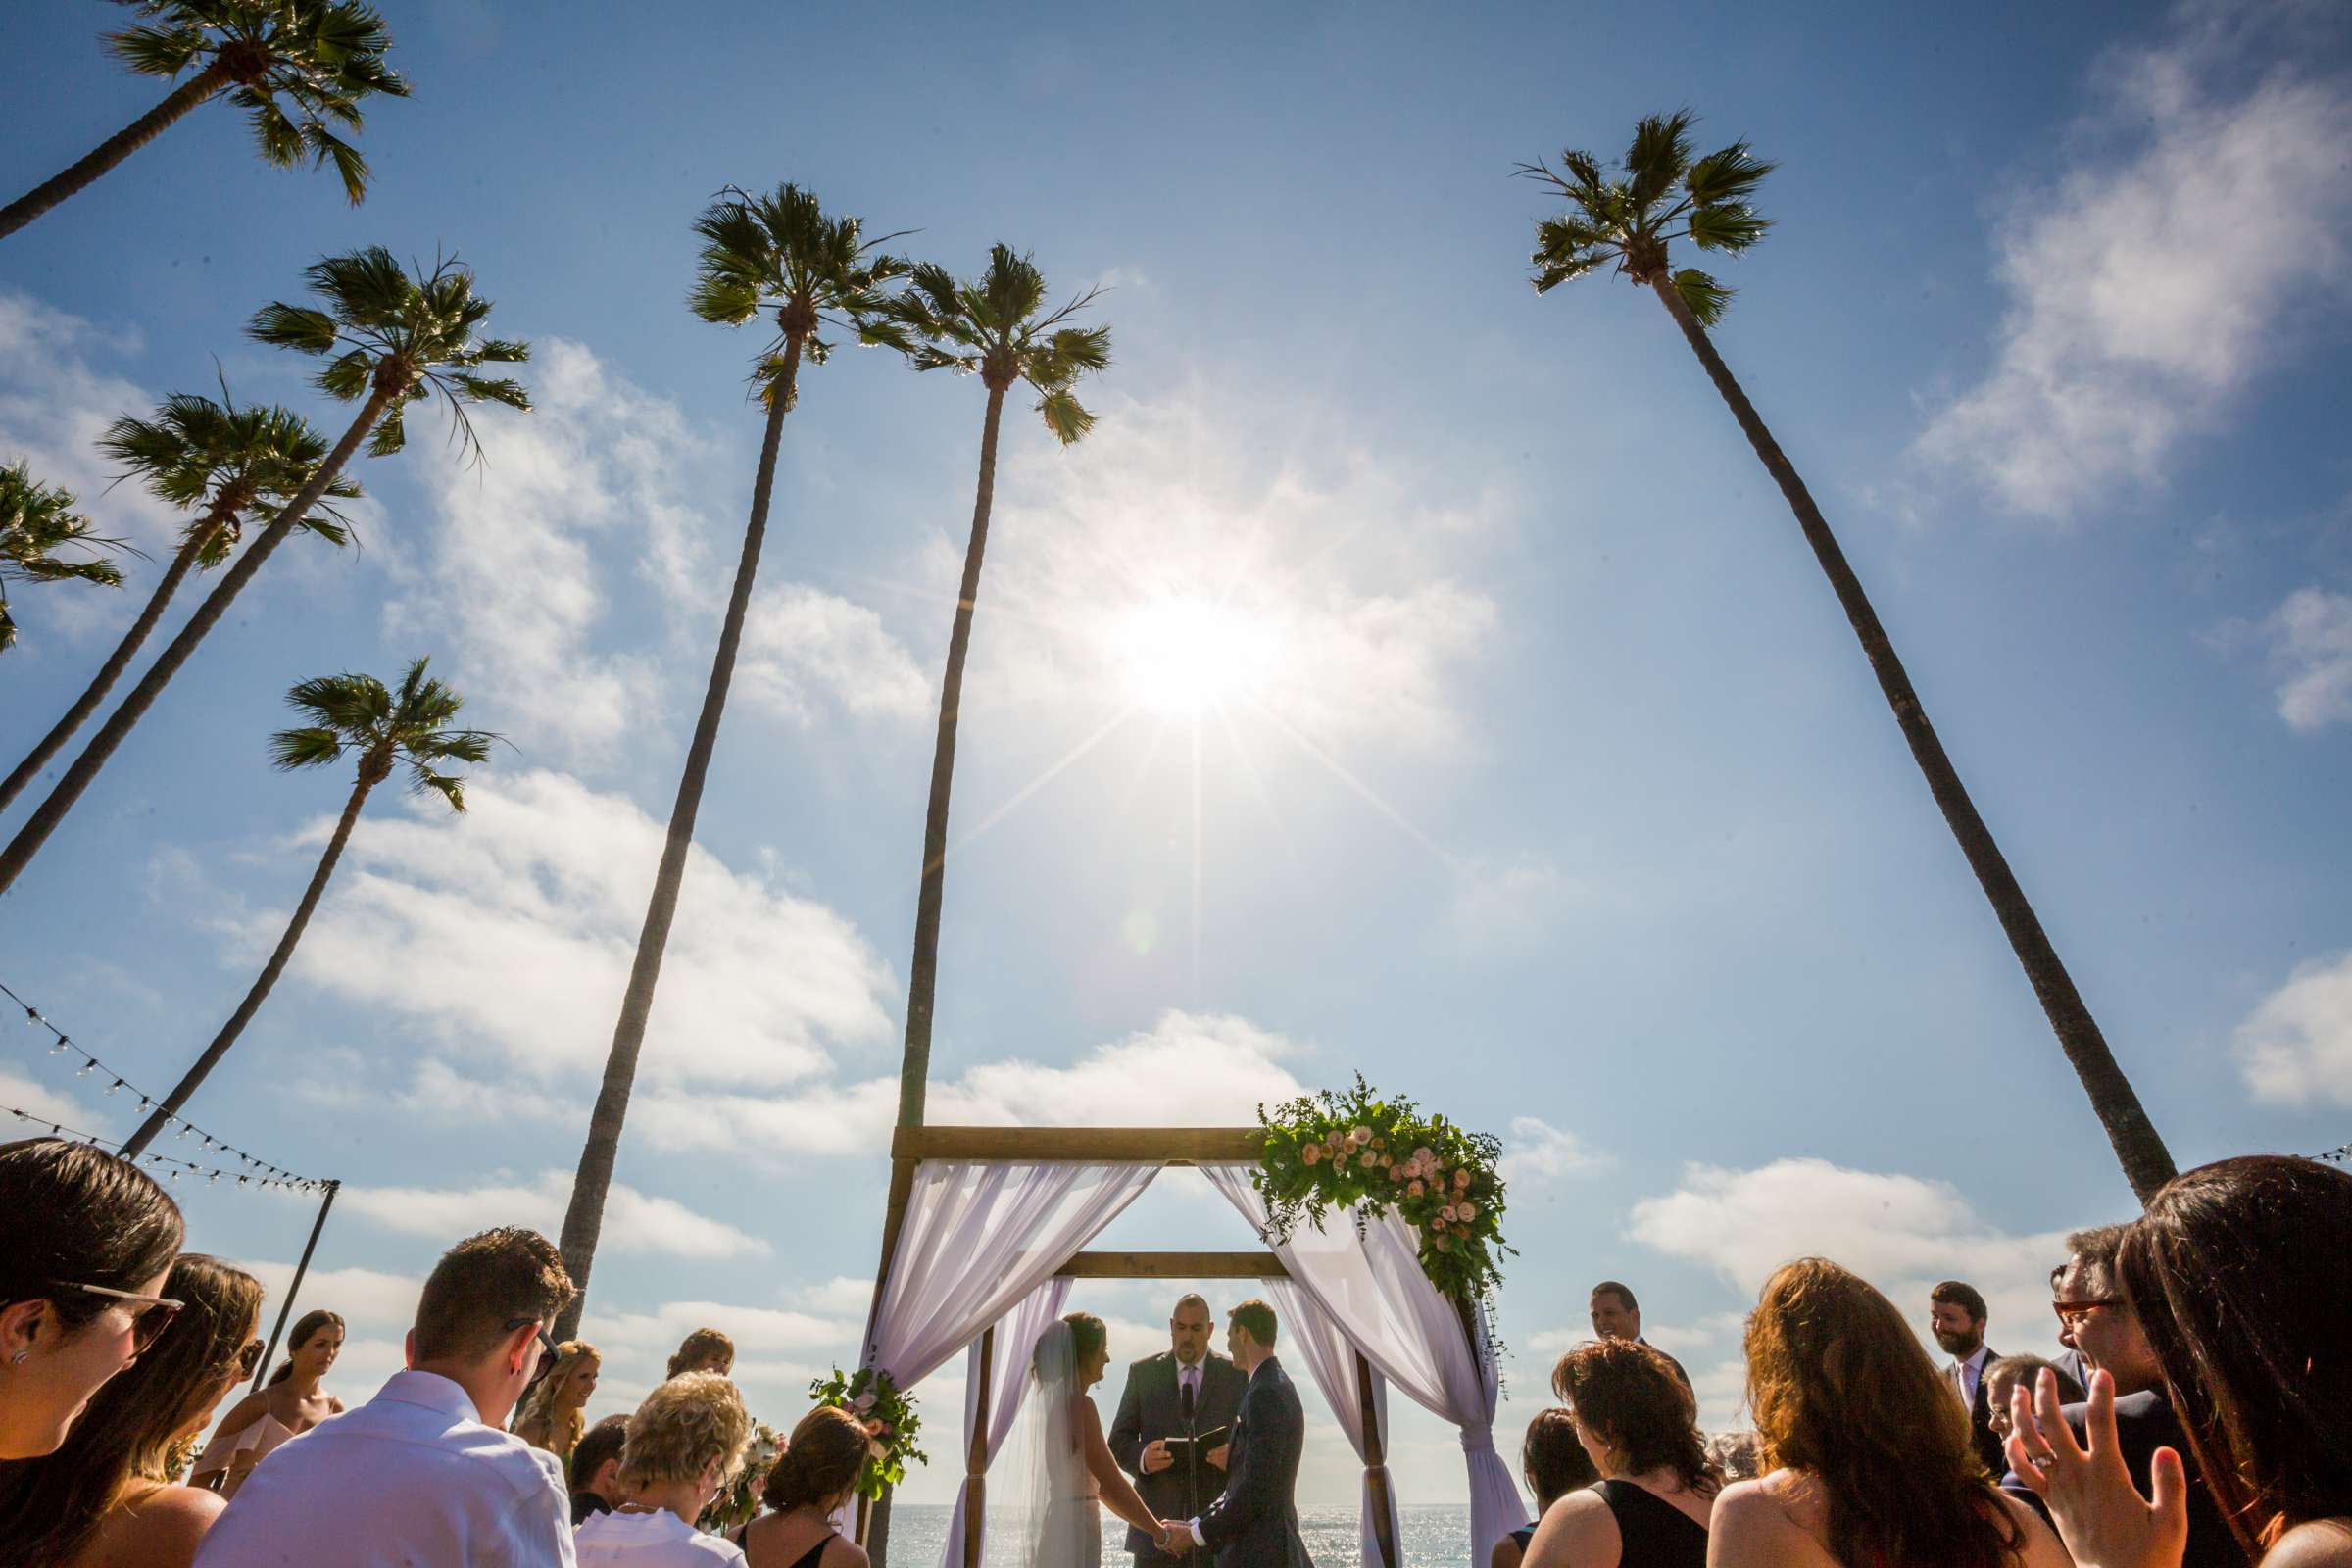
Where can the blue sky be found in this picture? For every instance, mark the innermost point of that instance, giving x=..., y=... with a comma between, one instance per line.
x=1546, y=785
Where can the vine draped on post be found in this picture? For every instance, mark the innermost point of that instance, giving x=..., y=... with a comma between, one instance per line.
x=890, y=1424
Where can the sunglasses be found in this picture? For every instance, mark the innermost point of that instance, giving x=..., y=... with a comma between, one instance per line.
x=249, y=1359
x=2072, y=1313
x=547, y=1344
x=150, y=1315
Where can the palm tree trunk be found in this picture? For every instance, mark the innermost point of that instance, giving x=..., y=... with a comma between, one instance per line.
x=112, y=151
x=52, y=810
x=117, y=662
x=372, y=769
x=584, y=1219
x=2147, y=1163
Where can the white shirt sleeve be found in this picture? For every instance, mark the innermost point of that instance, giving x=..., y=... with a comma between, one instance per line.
x=538, y=1529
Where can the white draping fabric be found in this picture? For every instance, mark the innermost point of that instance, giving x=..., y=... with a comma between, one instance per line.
x=1330, y=1359
x=1369, y=1283
x=1009, y=1380
x=977, y=1238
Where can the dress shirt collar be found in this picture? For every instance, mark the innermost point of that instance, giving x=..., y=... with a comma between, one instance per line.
x=431, y=1390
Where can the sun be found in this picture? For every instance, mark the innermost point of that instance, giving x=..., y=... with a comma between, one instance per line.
x=1183, y=656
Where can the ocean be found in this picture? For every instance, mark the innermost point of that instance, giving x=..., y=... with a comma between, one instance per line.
x=1434, y=1536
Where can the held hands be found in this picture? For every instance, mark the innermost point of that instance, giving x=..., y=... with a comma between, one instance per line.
x=2099, y=1513
x=1216, y=1455
x=1156, y=1457
x=1175, y=1537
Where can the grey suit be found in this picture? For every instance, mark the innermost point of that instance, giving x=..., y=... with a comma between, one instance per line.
x=1153, y=1407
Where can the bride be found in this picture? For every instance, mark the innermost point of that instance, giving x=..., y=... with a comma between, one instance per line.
x=1073, y=1473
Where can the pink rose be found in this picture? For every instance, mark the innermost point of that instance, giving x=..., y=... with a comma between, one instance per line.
x=1447, y=1213
x=1461, y=1178
x=1466, y=1208
x=1369, y=1159
x=873, y=1429
x=1414, y=1188
x=1444, y=1243
x=862, y=1403
x=1422, y=1156
x=1396, y=1173
x=1311, y=1153
x=1361, y=1135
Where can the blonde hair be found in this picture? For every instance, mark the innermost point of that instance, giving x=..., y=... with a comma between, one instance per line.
x=683, y=1427
x=562, y=1429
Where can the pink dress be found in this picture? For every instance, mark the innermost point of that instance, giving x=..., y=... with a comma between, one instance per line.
x=260, y=1438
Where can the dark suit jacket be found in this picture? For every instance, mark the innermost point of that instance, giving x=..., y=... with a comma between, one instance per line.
x=1256, y=1523
x=2144, y=1422
x=1980, y=1418
x=1152, y=1408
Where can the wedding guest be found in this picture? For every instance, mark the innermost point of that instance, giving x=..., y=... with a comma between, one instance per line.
x=1616, y=1316
x=1635, y=1418
x=1554, y=1461
x=1868, y=1455
x=684, y=1442
x=1736, y=1454
x=105, y=1499
x=2006, y=1375
x=704, y=1350
x=86, y=1241
x=811, y=1481
x=292, y=1402
x=2238, y=1274
x=596, y=1468
x=552, y=1413
x=423, y=1473
x=1956, y=1316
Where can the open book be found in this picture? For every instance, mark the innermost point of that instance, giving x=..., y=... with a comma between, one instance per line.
x=1194, y=1448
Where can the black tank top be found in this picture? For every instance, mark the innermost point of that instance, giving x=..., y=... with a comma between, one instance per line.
x=1655, y=1533
x=806, y=1559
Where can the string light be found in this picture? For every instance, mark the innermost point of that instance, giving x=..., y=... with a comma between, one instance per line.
x=176, y=1167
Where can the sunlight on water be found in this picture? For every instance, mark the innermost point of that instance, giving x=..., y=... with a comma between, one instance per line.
x=1434, y=1537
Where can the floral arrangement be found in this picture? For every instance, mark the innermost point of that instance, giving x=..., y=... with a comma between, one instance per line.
x=738, y=1499
x=1355, y=1152
x=890, y=1424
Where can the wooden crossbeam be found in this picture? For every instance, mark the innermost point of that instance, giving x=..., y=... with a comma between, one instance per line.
x=1173, y=1266
x=1166, y=1146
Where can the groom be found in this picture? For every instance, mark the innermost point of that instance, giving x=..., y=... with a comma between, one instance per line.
x=1256, y=1523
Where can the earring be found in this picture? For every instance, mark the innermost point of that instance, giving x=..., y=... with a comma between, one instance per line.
x=20, y=1358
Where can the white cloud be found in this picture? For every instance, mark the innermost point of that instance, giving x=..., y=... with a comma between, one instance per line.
x=370, y=1300
x=805, y=651
x=2311, y=648
x=633, y=1221
x=2296, y=1047
x=56, y=400
x=45, y=1105
x=526, y=909
x=1540, y=1151
x=2153, y=283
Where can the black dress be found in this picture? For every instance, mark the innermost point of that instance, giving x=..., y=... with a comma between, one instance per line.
x=1655, y=1532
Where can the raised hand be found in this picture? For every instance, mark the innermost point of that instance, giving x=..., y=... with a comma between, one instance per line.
x=2100, y=1515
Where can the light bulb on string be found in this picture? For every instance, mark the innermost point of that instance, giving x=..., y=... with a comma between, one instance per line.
x=87, y=1068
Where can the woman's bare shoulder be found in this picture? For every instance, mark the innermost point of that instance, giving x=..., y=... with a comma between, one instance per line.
x=2040, y=1547
x=843, y=1553
x=1576, y=1530
x=1759, y=1524
x=161, y=1529
x=2317, y=1544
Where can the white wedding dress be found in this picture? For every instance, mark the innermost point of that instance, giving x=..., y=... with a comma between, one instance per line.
x=1065, y=1514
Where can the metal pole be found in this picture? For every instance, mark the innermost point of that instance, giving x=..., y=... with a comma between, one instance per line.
x=286, y=1307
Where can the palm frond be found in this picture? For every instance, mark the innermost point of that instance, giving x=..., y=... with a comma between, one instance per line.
x=310, y=747
x=1707, y=299
x=1065, y=416
x=1728, y=175
x=1658, y=157
x=1731, y=228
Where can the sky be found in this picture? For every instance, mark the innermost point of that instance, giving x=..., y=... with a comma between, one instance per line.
x=1409, y=676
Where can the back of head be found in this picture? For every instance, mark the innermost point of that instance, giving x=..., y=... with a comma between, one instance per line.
x=484, y=1284
x=2096, y=1251
x=704, y=1350
x=822, y=1461
x=73, y=1214
x=1842, y=1390
x=1256, y=1319
x=1627, y=1395
x=49, y=1507
x=2240, y=1271
x=1552, y=1459
x=686, y=1426
x=601, y=1441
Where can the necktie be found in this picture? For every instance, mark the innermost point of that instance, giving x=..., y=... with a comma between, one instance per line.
x=1187, y=1382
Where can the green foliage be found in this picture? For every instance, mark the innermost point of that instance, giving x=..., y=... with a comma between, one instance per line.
x=1660, y=193
x=38, y=520
x=738, y=1500
x=412, y=333
x=360, y=713
x=993, y=328
x=780, y=255
x=1355, y=1153
x=890, y=1424
x=299, y=68
x=230, y=466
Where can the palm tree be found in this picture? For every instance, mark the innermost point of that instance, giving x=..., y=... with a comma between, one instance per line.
x=773, y=256
x=323, y=57
x=393, y=340
x=347, y=714
x=237, y=465
x=1661, y=194
x=36, y=520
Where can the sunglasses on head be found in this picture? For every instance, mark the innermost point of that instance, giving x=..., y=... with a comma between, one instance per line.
x=150, y=1315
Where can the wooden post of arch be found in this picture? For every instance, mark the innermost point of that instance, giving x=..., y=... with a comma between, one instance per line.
x=1376, y=1465
x=975, y=1464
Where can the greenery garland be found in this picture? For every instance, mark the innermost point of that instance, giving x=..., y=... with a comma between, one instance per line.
x=890, y=1424
x=1356, y=1152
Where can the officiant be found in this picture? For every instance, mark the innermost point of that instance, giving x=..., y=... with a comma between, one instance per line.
x=1174, y=1422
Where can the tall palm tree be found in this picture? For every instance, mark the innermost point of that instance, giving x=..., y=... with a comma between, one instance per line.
x=1663, y=194
x=778, y=257
x=394, y=340
x=347, y=714
x=323, y=56
x=239, y=465
x=36, y=520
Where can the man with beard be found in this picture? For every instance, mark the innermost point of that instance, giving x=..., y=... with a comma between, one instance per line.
x=1185, y=1390
x=1957, y=1315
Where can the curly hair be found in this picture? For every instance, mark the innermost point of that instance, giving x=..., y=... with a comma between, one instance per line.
x=539, y=1407
x=820, y=1461
x=698, y=1349
x=686, y=1425
x=1842, y=1390
x=1627, y=1395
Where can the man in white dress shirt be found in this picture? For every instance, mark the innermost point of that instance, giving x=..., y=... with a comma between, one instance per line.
x=422, y=1476
x=1956, y=1316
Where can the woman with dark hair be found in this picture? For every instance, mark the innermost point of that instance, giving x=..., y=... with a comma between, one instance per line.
x=1554, y=1462
x=291, y=1403
x=2239, y=1273
x=1635, y=1418
x=86, y=1242
x=104, y=1499
x=1869, y=1459
x=815, y=1477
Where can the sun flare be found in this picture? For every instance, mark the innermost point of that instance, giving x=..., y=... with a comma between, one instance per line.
x=1185, y=656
